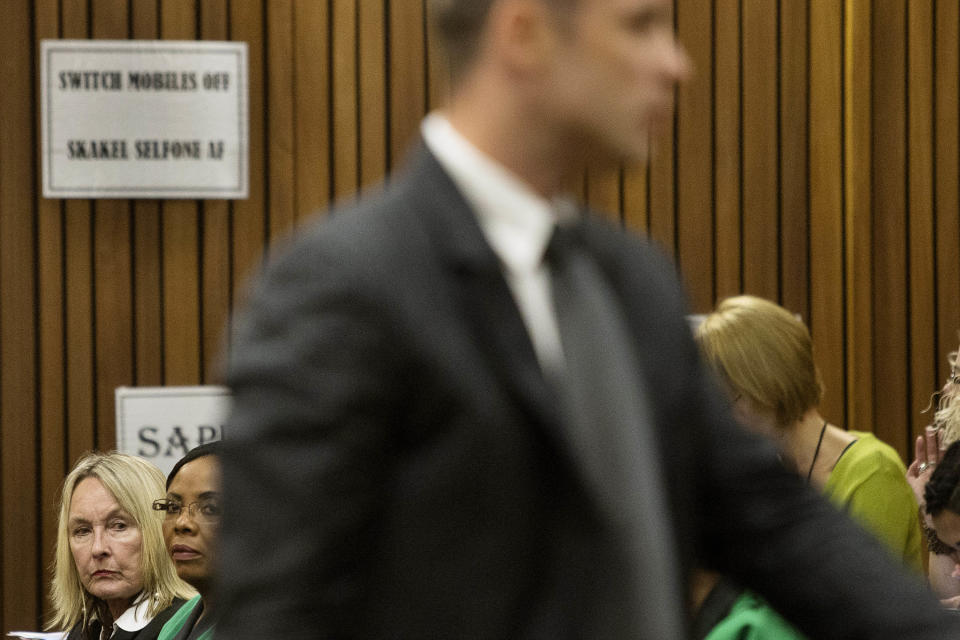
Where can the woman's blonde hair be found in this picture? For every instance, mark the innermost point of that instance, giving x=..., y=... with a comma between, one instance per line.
x=947, y=416
x=135, y=484
x=764, y=353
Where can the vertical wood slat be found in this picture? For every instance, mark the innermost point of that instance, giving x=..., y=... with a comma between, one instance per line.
x=19, y=585
x=890, y=357
x=281, y=120
x=181, y=272
x=636, y=215
x=920, y=210
x=344, y=70
x=826, y=200
x=51, y=322
x=661, y=192
x=438, y=74
x=859, y=223
x=603, y=191
x=407, y=97
x=113, y=313
x=728, y=199
x=374, y=76
x=216, y=288
x=694, y=132
x=312, y=106
x=215, y=217
x=249, y=218
x=147, y=259
x=759, y=135
x=794, y=157
x=148, y=293
x=947, y=198
x=661, y=197
x=79, y=308
x=109, y=19
x=79, y=288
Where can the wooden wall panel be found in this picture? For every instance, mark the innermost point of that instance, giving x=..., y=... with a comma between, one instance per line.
x=113, y=313
x=727, y=172
x=312, y=106
x=661, y=190
x=636, y=213
x=374, y=117
x=813, y=159
x=344, y=69
x=147, y=261
x=661, y=200
x=794, y=157
x=890, y=344
x=602, y=191
x=249, y=216
x=760, y=237
x=408, y=75
x=826, y=201
x=281, y=151
x=947, y=211
x=148, y=294
x=180, y=249
x=859, y=219
x=79, y=309
x=694, y=133
x=920, y=206
x=79, y=287
x=51, y=393
x=438, y=73
x=20, y=555
x=216, y=286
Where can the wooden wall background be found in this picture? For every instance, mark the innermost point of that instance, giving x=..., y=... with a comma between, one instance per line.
x=814, y=160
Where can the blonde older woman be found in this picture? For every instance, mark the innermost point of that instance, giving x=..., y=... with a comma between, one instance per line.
x=763, y=354
x=112, y=576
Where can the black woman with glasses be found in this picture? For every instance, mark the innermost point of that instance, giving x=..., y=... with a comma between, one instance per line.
x=190, y=530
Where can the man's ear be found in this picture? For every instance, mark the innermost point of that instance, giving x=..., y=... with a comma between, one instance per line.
x=522, y=34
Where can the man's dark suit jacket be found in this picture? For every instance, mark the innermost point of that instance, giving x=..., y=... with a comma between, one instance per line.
x=396, y=464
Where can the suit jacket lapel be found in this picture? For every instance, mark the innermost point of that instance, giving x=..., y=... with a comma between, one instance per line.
x=482, y=294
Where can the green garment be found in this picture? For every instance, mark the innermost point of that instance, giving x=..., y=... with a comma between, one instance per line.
x=751, y=618
x=869, y=482
x=175, y=623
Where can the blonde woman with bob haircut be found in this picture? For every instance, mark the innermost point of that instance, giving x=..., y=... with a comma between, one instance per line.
x=112, y=576
x=763, y=355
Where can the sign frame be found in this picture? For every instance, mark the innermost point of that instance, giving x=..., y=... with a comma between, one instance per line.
x=207, y=403
x=67, y=115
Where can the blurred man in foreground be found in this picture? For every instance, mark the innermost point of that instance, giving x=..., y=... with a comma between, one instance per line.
x=448, y=424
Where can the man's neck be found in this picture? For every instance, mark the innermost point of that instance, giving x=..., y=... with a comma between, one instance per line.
x=514, y=139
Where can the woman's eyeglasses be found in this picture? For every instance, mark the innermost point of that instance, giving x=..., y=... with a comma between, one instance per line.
x=203, y=511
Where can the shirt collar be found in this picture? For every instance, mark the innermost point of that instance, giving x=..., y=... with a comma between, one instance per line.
x=516, y=221
x=136, y=616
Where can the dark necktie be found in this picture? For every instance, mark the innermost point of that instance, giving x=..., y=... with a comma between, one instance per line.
x=610, y=425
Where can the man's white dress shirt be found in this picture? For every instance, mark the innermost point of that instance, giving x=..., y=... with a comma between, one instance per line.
x=515, y=220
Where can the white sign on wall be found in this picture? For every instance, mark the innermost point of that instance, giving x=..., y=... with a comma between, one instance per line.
x=144, y=119
x=162, y=424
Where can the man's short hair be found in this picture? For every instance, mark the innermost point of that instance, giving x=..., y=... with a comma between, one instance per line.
x=764, y=353
x=460, y=23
